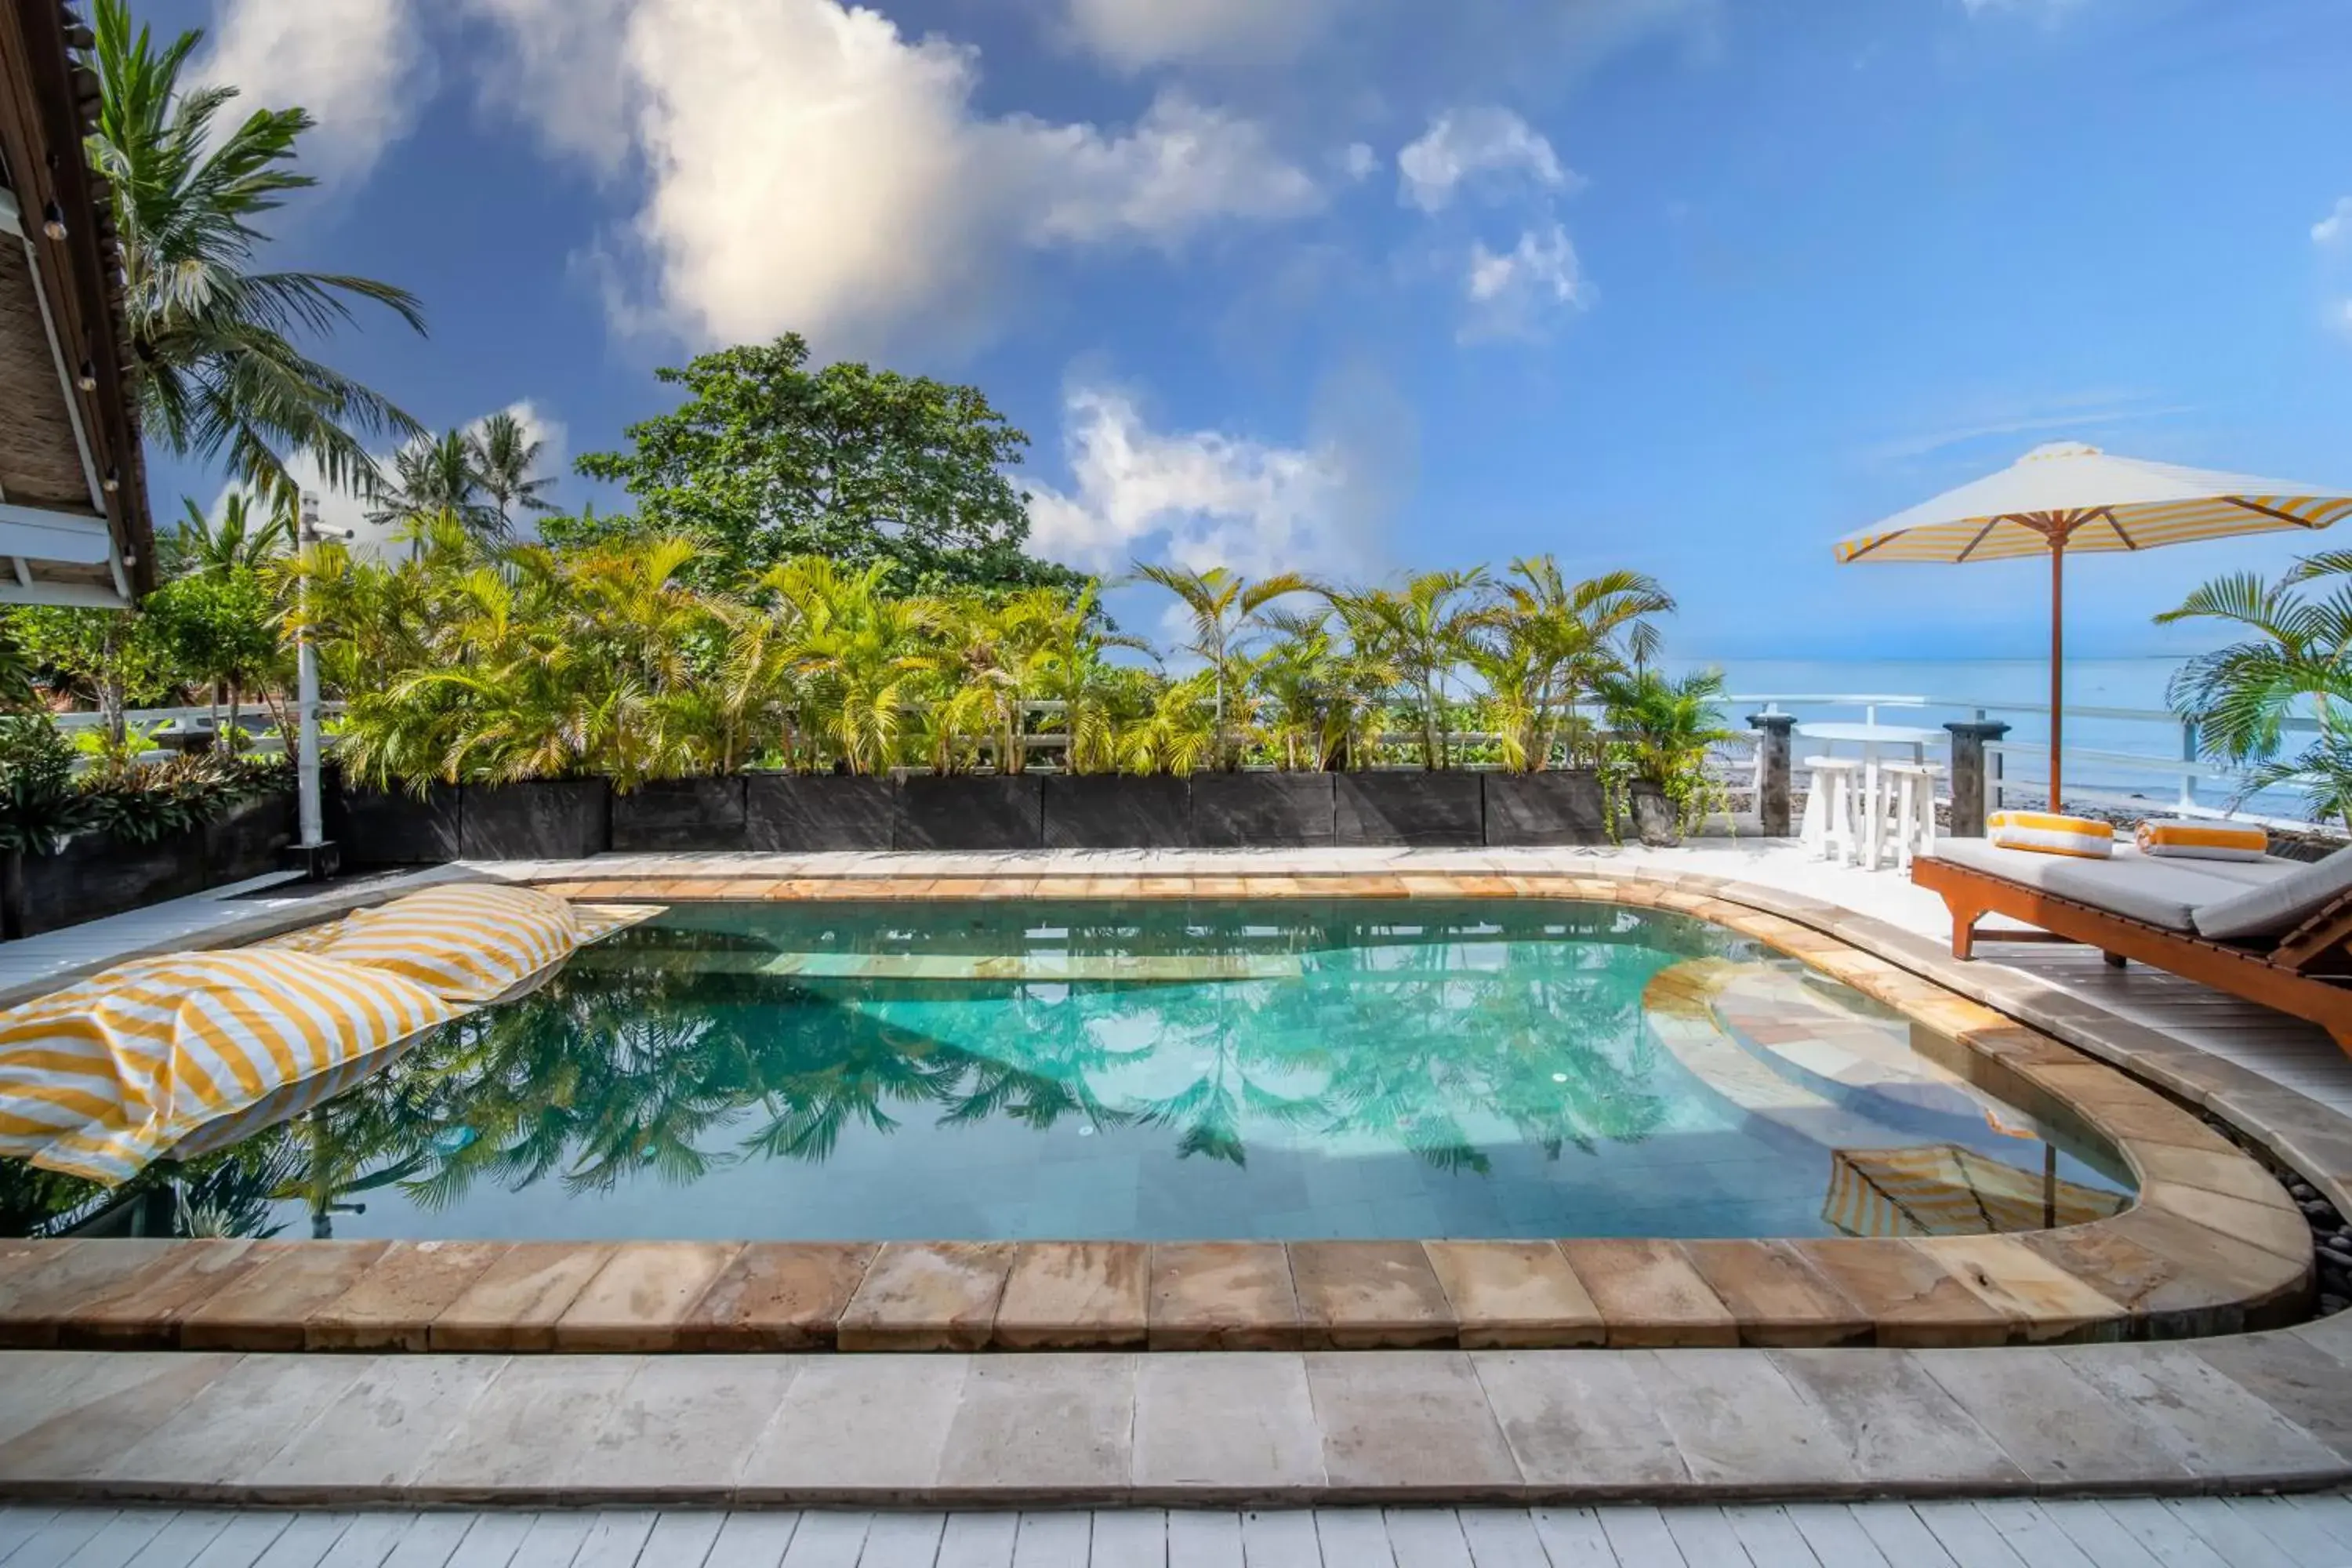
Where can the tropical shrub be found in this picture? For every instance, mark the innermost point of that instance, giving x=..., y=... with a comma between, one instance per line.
x=1662, y=730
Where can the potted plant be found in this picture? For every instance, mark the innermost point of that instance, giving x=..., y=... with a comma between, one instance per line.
x=1654, y=765
x=39, y=805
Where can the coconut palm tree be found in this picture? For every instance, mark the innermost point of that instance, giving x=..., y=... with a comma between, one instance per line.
x=1227, y=610
x=206, y=546
x=219, y=375
x=2240, y=697
x=505, y=463
x=432, y=477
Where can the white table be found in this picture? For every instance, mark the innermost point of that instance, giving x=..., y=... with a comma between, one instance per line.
x=1870, y=737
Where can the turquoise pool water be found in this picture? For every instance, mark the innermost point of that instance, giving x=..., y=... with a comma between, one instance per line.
x=1156, y=1070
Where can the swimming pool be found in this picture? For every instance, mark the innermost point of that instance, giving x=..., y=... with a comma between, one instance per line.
x=1149, y=1070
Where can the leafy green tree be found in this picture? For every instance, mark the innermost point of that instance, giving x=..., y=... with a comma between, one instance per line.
x=219, y=375
x=2298, y=660
x=114, y=660
x=221, y=628
x=767, y=460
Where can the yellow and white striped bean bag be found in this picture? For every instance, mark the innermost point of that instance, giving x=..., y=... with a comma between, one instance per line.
x=2047, y=833
x=467, y=942
x=98, y=1079
x=2202, y=841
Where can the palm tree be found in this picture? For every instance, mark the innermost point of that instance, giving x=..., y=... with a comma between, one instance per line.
x=2240, y=697
x=1550, y=643
x=1424, y=632
x=1225, y=609
x=219, y=376
x=504, y=460
x=204, y=546
x=432, y=478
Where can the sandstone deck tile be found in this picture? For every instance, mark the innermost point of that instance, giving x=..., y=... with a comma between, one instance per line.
x=110, y=1402
x=1223, y=1295
x=1038, y=1425
x=393, y=1305
x=1742, y=1428
x=515, y=1438
x=142, y=1312
x=1512, y=1294
x=514, y=1303
x=2048, y=1303
x=1777, y=1297
x=637, y=1299
x=1574, y=1418
x=2066, y=1434
x=1914, y=1300
x=1223, y=1424
x=2274, y=1290
x=681, y=1431
x=1411, y=1424
x=237, y=1422
x=2280, y=1231
x=1083, y=1295
x=1649, y=1295
x=43, y=1282
x=395, y=1414
x=927, y=1296
x=850, y=1423
x=1898, y=1427
x=778, y=1296
x=1369, y=1295
x=265, y=1307
x=2224, y=1435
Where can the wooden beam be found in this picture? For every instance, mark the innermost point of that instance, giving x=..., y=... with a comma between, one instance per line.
x=80, y=595
x=36, y=533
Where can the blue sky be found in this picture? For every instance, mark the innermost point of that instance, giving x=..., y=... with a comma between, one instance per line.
x=1371, y=286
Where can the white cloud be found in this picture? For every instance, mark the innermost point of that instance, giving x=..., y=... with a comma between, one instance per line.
x=1134, y=34
x=2340, y=317
x=2336, y=225
x=808, y=167
x=1199, y=498
x=1465, y=144
x=2045, y=10
x=1359, y=161
x=356, y=65
x=1520, y=291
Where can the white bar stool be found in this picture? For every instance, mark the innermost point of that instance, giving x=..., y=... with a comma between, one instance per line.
x=1829, y=829
x=1913, y=787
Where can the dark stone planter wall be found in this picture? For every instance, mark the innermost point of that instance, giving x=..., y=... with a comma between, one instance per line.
x=963, y=812
x=98, y=876
x=1428, y=809
x=681, y=815
x=784, y=813
x=790, y=814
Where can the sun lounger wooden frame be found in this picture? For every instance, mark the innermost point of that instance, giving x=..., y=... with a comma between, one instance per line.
x=2307, y=973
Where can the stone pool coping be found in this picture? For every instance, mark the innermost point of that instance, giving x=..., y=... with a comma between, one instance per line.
x=2214, y=1246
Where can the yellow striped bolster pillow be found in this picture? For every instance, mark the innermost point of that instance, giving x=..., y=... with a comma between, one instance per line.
x=467, y=942
x=2048, y=833
x=98, y=1079
x=2203, y=840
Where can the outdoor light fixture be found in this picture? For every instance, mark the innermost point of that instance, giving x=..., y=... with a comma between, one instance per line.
x=53, y=221
x=113, y=481
x=87, y=379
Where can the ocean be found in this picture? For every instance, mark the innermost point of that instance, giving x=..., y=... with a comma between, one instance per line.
x=1959, y=688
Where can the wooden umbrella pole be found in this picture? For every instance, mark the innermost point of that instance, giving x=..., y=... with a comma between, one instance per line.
x=2057, y=656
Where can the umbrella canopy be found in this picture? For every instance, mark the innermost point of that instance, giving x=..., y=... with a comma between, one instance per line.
x=2067, y=496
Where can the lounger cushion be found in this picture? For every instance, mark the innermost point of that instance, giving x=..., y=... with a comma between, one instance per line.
x=2280, y=904
x=2167, y=893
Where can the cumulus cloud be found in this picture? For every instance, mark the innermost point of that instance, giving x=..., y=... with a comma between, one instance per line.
x=1478, y=143
x=2336, y=226
x=1520, y=291
x=1198, y=498
x=1132, y=34
x=1359, y=161
x=808, y=167
x=356, y=65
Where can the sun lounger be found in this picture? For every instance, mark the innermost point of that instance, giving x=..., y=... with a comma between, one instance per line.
x=2274, y=931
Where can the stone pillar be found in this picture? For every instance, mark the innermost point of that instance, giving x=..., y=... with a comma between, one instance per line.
x=1773, y=777
x=1969, y=792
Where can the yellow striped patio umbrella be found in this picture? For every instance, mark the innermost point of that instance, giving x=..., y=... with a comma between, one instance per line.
x=1943, y=1189
x=2066, y=497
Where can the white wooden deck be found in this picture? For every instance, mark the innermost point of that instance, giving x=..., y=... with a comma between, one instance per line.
x=2249, y=1532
